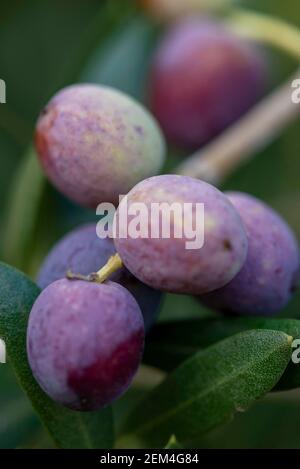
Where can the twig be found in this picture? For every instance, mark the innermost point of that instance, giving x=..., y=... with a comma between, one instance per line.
x=249, y=135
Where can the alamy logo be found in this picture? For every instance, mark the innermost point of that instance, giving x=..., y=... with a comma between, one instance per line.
x=296, y=92
x=2, y=92
x=296, y=353
x=157, y=220
x=2, y=351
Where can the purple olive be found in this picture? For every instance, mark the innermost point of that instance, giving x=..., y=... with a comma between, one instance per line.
x=203, y=79
x=85, y=342
x=95, y=143
x=168, y=263
x=270, y=274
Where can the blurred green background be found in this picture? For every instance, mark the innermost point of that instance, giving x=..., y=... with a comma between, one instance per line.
x=47, y=44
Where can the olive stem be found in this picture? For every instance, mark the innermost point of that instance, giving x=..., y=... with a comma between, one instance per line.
x=74, y=276
x=262, y=124
x=113, y=264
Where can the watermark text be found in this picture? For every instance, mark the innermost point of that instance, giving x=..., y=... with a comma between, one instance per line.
x=296, y=91
x=2, y=351
x=2, y=92
x=159, y=220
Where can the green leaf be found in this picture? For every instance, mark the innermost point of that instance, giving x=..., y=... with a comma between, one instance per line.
x=22, y=210
x=207, y=389
x=124, y=62
x=173, y=342
x=69, y=429
x=173, y=443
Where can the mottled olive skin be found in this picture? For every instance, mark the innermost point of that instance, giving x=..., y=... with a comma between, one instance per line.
x=95, y=143
x=85, y=342
x=203, y=78
x=270, y=274
x=166, y=264
x=81, y=251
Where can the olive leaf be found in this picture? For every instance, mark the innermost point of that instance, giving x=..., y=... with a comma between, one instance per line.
x=21, y=211
x=210, y=387
x=124, y=62
x=69, y=429
x=171, y=343
x=173, y=443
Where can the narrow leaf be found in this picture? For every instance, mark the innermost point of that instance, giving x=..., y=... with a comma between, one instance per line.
x=207, y=389
x=173, y=342
x=22, y=210
x=69, y=429
x=173, y=443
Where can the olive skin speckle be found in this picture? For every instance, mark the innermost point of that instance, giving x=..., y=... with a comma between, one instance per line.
x=85, y=342
x=270, y=274
x=95, y=143
x=166, y=263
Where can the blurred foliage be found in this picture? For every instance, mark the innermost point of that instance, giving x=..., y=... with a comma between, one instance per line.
x=17, y=421
x=46, y=44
